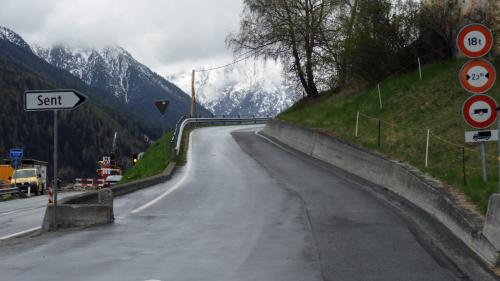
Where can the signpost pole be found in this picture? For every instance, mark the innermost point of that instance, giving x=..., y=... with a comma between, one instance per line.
x=55, y=184
x=498, y=158
x=53, y=100
x=483, y=161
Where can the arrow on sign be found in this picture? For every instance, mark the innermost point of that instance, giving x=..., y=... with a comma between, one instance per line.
x=53, y=100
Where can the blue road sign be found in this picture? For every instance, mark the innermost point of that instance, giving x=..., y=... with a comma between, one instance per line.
x=16, y=153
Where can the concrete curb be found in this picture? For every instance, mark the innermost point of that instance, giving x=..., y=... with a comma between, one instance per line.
x=403, y=180
x=122, y=189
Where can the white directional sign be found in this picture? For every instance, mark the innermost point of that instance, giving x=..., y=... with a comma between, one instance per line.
x=481, y=136
x=53, y=100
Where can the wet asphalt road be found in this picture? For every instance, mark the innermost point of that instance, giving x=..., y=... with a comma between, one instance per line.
x=242, y=209
x=23, y=214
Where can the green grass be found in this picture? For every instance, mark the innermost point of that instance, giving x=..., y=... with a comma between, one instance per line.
x=410, y=107
x=153, y=162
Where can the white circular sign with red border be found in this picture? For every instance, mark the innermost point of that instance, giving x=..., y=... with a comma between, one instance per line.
x=477, y=76
x=480, y=111
x=474, y=40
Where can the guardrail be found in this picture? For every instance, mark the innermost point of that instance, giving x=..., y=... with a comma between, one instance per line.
x=12, y=190
x=184, y=121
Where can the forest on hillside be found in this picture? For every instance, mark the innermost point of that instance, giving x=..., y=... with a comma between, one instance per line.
x=85, y=134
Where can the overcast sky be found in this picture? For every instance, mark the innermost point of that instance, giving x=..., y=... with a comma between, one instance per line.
x=169, y=36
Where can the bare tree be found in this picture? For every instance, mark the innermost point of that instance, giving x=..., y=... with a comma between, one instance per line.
x=289, y=30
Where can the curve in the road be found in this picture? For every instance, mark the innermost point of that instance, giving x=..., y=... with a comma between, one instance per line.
x=243, y=210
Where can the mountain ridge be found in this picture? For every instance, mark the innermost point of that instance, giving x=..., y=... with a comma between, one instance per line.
x=115, y=70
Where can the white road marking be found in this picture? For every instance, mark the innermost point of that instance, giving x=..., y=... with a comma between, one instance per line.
x=173, y=188
x=20, y=233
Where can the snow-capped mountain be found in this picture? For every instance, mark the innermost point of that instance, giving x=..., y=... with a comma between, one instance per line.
x=14, y=38
x=113, y=69
x=246, y=89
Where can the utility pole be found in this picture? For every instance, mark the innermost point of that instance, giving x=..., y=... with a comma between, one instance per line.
x=192, y=110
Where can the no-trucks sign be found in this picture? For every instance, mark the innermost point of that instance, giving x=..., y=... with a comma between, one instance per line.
x=480, y=111
x=474, y=40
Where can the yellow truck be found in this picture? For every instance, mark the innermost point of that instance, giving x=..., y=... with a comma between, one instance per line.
x=31, y=175
x=29, y=180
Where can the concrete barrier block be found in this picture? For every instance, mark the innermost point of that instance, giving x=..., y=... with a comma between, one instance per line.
x=491, y=228
x=81, y=215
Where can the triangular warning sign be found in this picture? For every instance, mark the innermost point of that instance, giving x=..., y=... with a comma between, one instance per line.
x=162, y=106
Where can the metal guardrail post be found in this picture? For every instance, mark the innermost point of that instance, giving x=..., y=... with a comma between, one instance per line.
x=183, y=122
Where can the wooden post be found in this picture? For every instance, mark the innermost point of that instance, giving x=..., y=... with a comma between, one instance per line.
x=419, y=69
x=427, y=148
x=379, y=132
x=192, y=110
x=379, y=96
x=357, y=124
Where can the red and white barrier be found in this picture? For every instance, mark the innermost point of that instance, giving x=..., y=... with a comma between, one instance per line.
x=89, y=183
x=51, y=195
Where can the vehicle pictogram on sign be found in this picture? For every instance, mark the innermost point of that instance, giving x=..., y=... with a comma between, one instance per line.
x=474, y=40
x=479, y=111
x=477, y=76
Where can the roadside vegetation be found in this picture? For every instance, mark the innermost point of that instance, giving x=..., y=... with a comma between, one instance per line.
x=153, y=162
x=410, y=108
x=338, y=52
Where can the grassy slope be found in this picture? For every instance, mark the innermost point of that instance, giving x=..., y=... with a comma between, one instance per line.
x=410, y=107
x=153, y=162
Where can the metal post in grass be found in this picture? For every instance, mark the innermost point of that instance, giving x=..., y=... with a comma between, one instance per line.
x=427, y=148
x=419, y=69
x=357, y=124
x=498, y=157
x=483, y=161
x=379, y=131
x=379, y=96
x=463, y=166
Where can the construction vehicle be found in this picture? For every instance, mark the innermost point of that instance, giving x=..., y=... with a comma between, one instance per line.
x=108, y=166
x=6, y=172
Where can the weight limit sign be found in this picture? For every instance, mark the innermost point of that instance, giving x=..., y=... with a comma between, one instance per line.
x=474, y=40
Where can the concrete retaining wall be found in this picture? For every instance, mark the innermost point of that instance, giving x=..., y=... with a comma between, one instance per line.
x=401, y=179
x=96, y=207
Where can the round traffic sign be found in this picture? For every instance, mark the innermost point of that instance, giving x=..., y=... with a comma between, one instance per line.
x=474, y=40
x=480, y=111
x=477, y=76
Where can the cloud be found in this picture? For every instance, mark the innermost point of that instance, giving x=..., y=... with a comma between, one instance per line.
x=160, y=33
